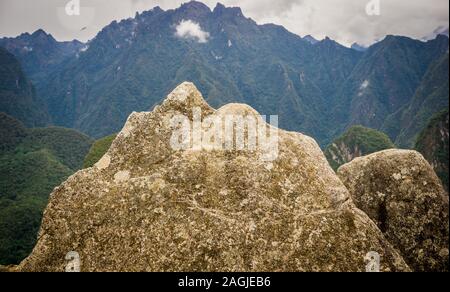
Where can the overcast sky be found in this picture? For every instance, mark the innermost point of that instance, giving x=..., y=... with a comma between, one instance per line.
x=345, y=21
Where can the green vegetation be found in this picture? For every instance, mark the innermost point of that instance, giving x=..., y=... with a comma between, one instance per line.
x=17, y=94
x=39, y=53
x=265, y=66
x=433, y=143
x=356, y=142
x=98, y=149
x=394, y=86
x=32, y=163
x=12, y=132
x=319, y=90
x=431, y=97
x=19, y=225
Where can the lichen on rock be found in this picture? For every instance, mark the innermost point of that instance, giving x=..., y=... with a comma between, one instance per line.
x=399, y=190
x=148, y=207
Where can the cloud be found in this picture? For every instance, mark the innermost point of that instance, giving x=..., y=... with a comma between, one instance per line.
x=441, y=30
x=191, y=30
x=348, y=22
x=345, y=22
x=265, y=8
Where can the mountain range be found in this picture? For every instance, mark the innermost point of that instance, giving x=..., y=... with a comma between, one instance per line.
x=39, y=53
x=320, y=88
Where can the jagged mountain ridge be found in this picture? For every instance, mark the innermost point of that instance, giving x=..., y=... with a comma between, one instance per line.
x=142, y=58
x=385, y=81
x=358, y=47
x=319, y=89
x=39, y=53
x=430, y=98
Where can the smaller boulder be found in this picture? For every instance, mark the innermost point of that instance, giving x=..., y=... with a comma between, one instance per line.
x=400, y=191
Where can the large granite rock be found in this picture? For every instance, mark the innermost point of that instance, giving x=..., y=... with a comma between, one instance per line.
x=4, y=269
x=399, y=190
x=147, y=207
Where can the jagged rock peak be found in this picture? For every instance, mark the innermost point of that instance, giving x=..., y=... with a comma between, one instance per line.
x=195, y=5
x=40, y=32
x=184, y=98
x=186, y=93
x=220, y=9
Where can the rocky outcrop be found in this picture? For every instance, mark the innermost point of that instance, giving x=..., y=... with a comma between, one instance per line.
x=399, y=190
x=6, y=269
x=148, y=207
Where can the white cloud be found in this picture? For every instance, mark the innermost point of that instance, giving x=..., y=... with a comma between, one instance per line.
x=192, y=30
x=346, y=22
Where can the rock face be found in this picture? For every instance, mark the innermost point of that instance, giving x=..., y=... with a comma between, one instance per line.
x=147, y=207
x=17, y=94
x=399, y=190
x=433, y=144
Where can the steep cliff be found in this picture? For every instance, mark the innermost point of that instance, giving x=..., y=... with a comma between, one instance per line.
x=433, y=144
